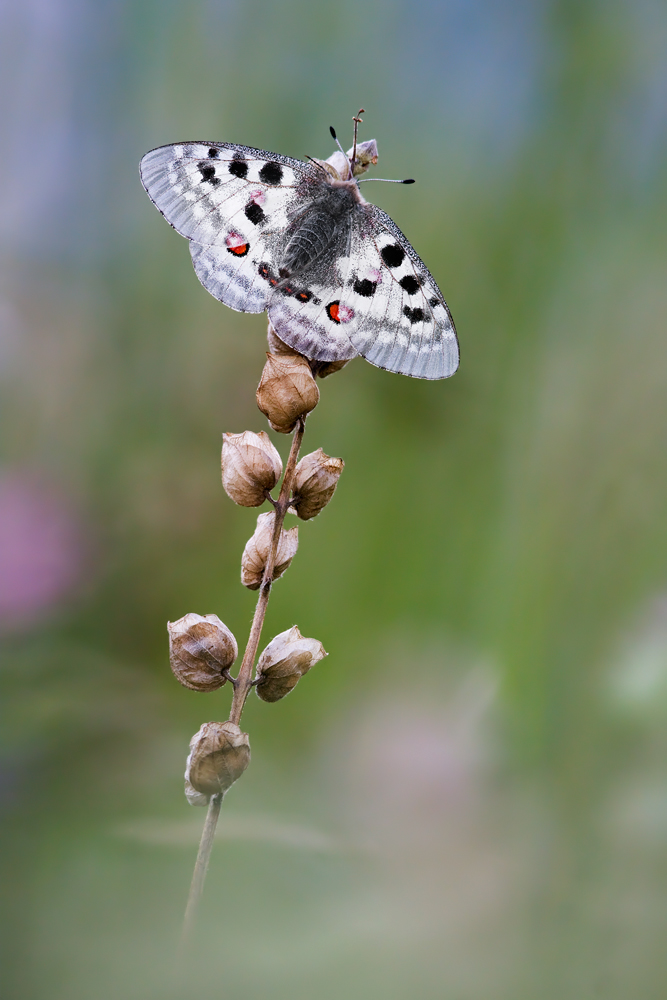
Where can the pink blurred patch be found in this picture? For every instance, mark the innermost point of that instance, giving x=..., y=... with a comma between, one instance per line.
x=40, y=550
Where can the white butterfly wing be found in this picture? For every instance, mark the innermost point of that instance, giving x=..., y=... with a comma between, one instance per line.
x=376, y=299
x=232, y=202
x=400, y=320
x=304, y=310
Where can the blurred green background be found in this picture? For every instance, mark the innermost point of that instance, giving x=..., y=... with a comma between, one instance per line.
x=468, y=798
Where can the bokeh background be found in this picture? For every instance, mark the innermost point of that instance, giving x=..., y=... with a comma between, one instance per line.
x=468, y=798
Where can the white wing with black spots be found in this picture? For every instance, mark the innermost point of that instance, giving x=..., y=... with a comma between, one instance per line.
x=204, y=188
x=370, y=295
x=337, y=276
x=305, y=311
x=233, y=203
x=399, y=319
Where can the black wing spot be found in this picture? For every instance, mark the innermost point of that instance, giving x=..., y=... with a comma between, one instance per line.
x=409, y=284
x=254, y=213
x=271, y=173
x=212, y=153
x=304, y=296
x=365, y=287
x=238, y=167
x=392, y=255
x=414, y=315
x=434, y=302
x=208, y=172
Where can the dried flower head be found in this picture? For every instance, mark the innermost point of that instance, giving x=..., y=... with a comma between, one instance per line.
x=200, y=648
x=251, y=467
x=287, y=391
x=256, y=551
x=284, y=662
x=219, y=754
x=315, y=481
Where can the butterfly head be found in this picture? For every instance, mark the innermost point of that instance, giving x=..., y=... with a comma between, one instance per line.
x=338, y=164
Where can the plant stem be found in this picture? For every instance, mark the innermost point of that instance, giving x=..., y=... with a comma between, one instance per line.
x=243, y=680
x=201, y=866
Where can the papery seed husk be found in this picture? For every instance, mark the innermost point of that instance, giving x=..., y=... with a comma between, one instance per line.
x=251, y=466
x=315, y=481
x=284, y=662
x=200, y=648
x=194, y=797
x=287, y=391
x=257, y=548
x=219, y=754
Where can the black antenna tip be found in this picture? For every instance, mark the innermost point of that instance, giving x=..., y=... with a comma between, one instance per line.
x=410, y=180
x=333, y=131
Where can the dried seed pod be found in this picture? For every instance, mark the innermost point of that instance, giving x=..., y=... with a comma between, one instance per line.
x=194, y=797
x=256, y=551
x=315, y=481
x=284, y=662
x=287, y=391
x=250, y=466
x=200, y=648
x=219, y=754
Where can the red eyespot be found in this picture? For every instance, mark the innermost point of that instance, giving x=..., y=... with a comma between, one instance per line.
x=333, y=311
x=240, y=251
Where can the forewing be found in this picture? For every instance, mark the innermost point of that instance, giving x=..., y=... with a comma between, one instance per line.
x=204, y=188
x=399, y=319
x=233, y=203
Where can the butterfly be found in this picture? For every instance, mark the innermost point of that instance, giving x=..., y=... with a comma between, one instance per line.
x=337, y=277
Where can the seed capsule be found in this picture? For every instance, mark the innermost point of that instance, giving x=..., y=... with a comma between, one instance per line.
x=219, y=754
x=200, y=648
x=251, y=466
x=287, y=391
x=256, y=551
x=284, y=662
x=315, y=482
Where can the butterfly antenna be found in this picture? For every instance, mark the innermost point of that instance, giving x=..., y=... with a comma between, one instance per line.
x=357, y=121
x=335, y=139
x=387, y=180
x=317, y=163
